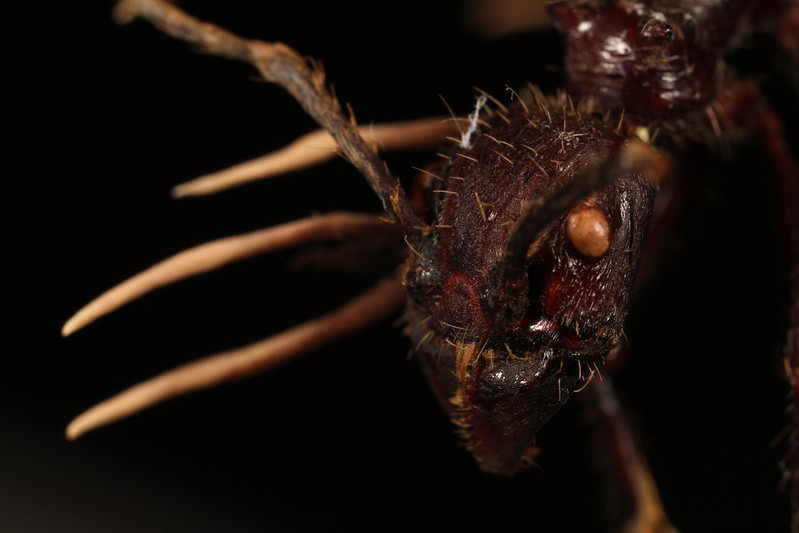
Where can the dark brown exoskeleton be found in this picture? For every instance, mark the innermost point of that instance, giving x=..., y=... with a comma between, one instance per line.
x=509, y=318
x=524, y=241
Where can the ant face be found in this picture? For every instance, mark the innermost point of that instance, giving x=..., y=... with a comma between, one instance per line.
x=503, y=363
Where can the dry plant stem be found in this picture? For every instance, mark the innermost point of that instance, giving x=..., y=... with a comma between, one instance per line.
x=281, y=65
x=383, y=299
x=215, y=254
x=317, y=147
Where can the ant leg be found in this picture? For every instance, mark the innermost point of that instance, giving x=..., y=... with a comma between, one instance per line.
x=215, y=254
x=380, y=301
x=741, y=105
x=788, y=32
x=281, y=65
x=317, y=147
x=786, y=171
x=629, y=476
x=497, y=18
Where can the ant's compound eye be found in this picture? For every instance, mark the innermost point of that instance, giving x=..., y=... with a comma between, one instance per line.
x=588, y=230
x=657, y=31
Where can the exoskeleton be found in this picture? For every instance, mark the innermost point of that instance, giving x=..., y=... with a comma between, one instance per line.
x=523, y=239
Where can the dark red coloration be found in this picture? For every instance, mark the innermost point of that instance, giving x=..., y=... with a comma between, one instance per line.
x=503, y=348
x=502, y=382
x=652, y=59
x=508, y=316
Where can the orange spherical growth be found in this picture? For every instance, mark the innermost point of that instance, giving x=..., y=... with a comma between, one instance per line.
x=588, y=230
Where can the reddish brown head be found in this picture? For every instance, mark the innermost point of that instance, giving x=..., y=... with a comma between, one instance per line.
x=503, y=365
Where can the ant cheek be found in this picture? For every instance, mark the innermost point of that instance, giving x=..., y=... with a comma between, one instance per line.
x=460, y=303
x=588, y=230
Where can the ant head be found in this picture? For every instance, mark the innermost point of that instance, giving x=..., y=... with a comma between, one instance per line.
x=520, y=287
x=637, y=56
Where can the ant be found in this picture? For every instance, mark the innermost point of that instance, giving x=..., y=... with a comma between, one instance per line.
x=523, y=241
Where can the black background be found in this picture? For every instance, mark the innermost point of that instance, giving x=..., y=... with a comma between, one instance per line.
x=100, y=121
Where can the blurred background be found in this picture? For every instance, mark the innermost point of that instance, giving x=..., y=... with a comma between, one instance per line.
x=101, y=121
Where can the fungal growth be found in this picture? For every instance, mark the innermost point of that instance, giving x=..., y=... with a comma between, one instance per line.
x=588, y=231
x=516, y=284
x=521, y=243
x=502, y=361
